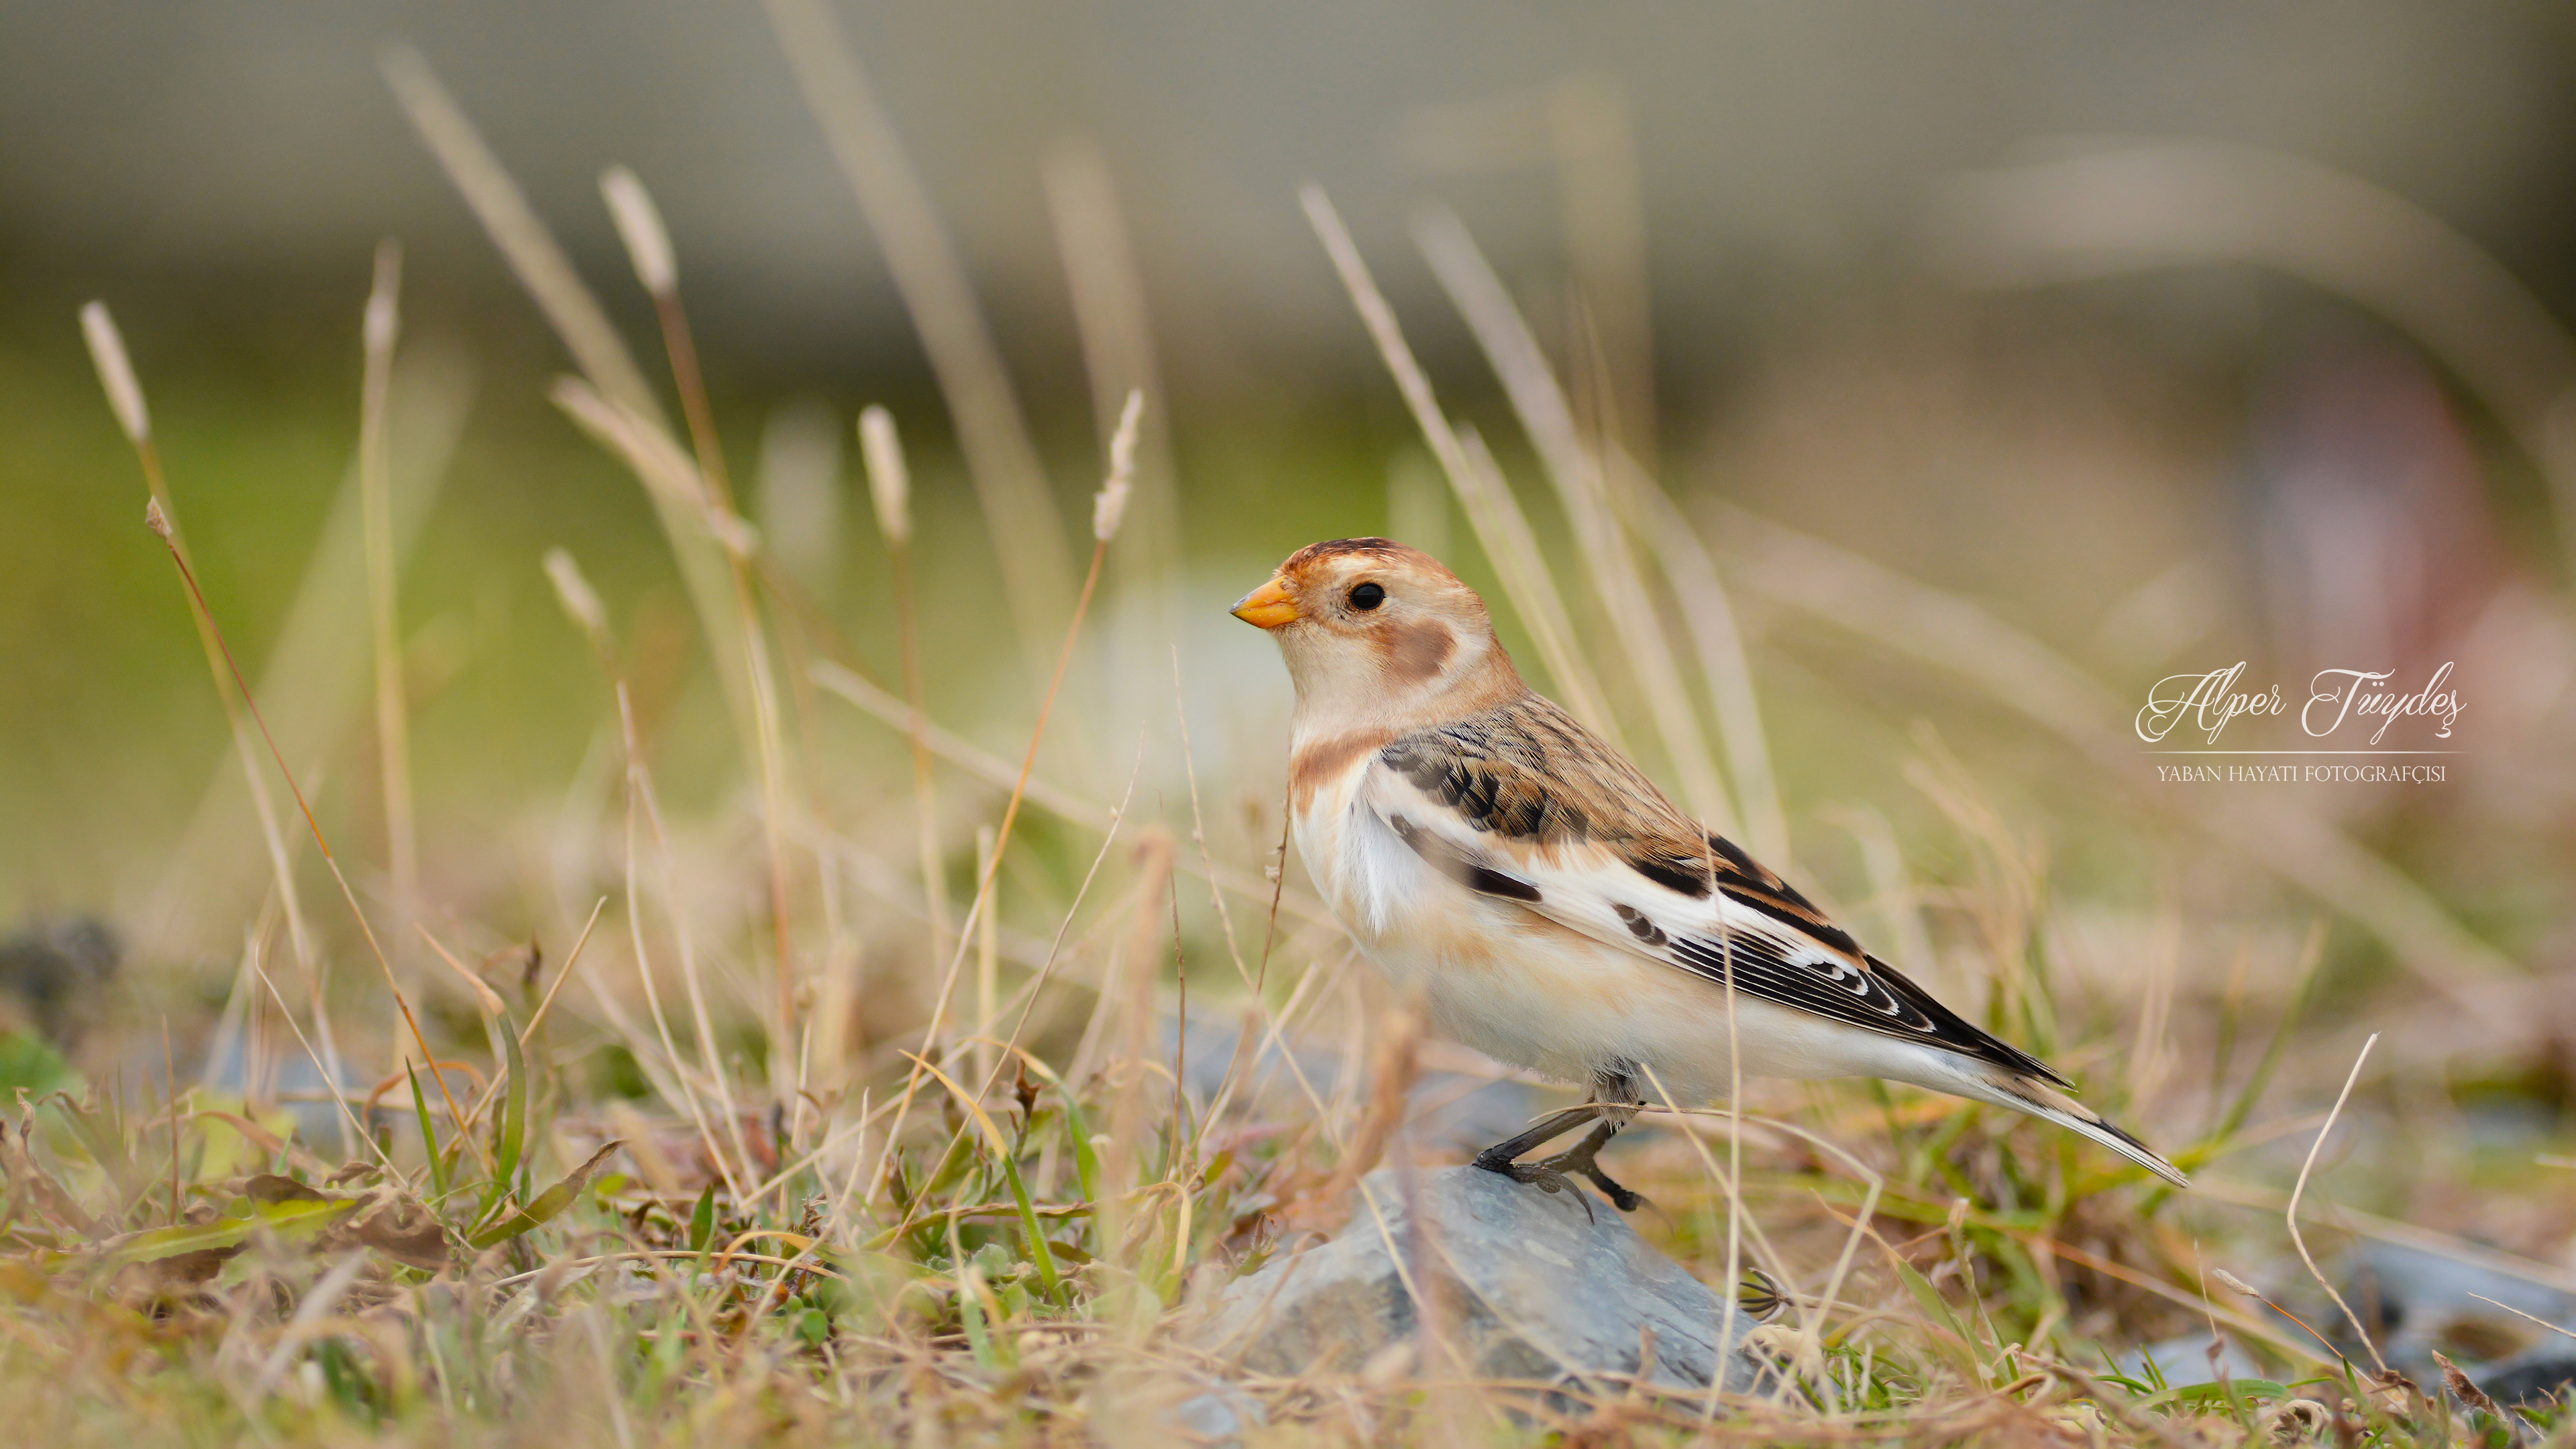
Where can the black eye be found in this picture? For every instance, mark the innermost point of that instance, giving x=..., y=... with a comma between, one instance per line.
x=1367, y=596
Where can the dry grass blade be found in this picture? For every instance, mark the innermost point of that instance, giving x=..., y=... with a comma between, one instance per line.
x=1491, y=510
x=2290, y=1214
x=1724, y=666
x=563, y=974
x=313, y=682
x=523, y=240
x=125, y=398
x=1576, y=471
x=548, y=275
x=2518, y=1313
x=648, y=244
x=157, y=519
x=1010, y=483
x=890, y=488
x=484, y=995
x=375, y=473
x=1104, y=527
x=1578, y=127
x=125, y=394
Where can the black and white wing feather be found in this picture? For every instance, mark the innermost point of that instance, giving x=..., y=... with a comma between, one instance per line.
x=1521, y=804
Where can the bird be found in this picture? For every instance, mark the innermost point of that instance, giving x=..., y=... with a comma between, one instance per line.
x=1554, y=909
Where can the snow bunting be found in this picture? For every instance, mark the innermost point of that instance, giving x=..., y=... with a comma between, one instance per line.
x=1551, y=906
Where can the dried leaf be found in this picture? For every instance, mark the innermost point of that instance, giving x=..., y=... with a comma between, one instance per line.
x=2465, y=1391
x=271, y=1188
x=399, y=1229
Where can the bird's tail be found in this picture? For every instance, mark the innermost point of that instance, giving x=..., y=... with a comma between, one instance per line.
x=2039, y=1099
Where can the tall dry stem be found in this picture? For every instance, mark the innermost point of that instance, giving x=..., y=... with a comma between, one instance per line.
x=2290, y=1214
x=1581, y=490
x=648, y=245
x=542, y=268
x=1011, y=487
x=1491, y=510
x=125, y=399
x=1108, y=510
x=890, y=489
x=375, y=473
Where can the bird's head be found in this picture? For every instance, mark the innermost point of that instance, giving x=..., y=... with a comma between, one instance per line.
x=1375, y=632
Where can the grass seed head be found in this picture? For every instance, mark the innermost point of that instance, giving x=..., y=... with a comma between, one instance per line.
x=889, y=482
x=576, y=595
x=384, y=314
x=639, y=226
x=115, y=372
x=1109, y=508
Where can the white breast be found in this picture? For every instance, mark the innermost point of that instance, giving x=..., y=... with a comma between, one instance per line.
x=1376, y=885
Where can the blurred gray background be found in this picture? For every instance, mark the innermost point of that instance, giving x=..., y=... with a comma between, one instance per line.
x=253, y=141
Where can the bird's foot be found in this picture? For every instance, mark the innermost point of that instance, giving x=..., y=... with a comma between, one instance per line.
x=1541, y=1174
x=1583, y=1160
x=1549, y=1174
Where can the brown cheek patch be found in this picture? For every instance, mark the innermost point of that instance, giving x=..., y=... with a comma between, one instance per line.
x=1415, y=652
x=1322, y=762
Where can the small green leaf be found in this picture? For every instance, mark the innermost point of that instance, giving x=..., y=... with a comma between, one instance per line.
x=970, y=1311
x=702, y=1221
x=514, y=1107
x=1038, y=1250
x=28, y=1061
x=239, y=1221
x=428, y=1137
x=510, y=1129
x=1086, y=1158
x=547, y=1204
x=2213, y=1395
x=1949, y=1335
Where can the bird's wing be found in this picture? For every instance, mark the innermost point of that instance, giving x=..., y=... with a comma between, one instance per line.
x=1522, y=804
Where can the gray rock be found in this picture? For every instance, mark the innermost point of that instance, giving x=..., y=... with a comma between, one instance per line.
x=1535, y=1290
x=2416, y=1303
x=2531, y=1379
x=1218, y=1417
x=1445, y=1112
x=2185, y=1361
x=56, y=971
x=2419, y=1302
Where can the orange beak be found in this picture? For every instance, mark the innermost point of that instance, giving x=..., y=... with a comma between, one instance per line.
x=1266, y=607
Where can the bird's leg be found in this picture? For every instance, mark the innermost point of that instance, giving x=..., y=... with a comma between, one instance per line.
x=1583, y=1159
x=1500, y=1157
x=1614, y=1101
